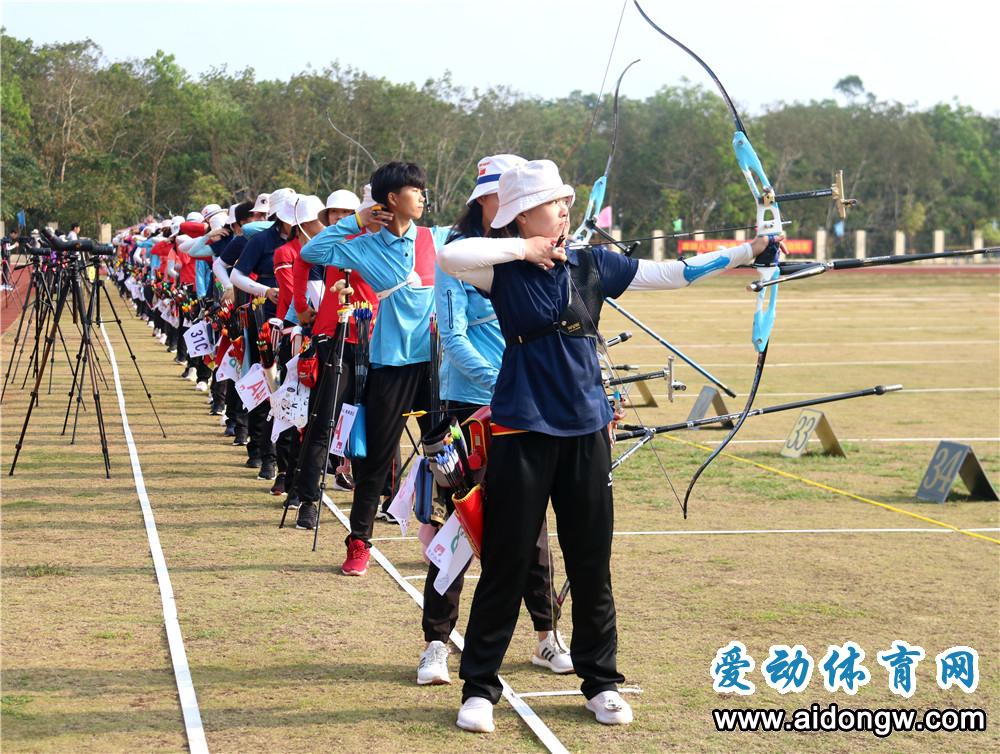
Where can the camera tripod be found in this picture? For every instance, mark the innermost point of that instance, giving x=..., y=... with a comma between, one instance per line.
x=71, y=289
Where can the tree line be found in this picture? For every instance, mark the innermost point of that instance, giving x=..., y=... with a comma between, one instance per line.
x=96, y=141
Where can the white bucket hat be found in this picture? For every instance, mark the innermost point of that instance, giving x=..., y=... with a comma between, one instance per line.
x=366, y=198
x=218, y=220
x=305, y=209
x=210, y=211
x=489, y=171
x=284, y=207
x=277, y=198
x=231, y=216
x=343, y=199
x=261, y=205
x=526, y=186
x=195, y=217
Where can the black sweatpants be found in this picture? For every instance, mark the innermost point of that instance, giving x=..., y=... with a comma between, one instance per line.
x=389, y=393
x=441, y=610
x=523, y=472
x=257, y=420
x=306, y=470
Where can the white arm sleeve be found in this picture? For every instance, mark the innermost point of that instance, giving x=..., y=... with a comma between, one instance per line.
x=172, y=268
x=661, y=276
x=472, y=259
x=221, y=273
x=244, y=283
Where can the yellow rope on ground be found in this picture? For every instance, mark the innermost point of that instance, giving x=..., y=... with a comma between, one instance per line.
x=836, y=491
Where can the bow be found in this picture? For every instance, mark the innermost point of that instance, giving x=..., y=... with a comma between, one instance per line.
x=595, y=203
x=768, y=224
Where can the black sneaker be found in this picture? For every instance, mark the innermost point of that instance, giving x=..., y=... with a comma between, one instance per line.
x=268, y=472
x=278, y=488
x=382, y=514
x=343, y=482
x=187, y=371
x=241, y=439
x=291, y=502
x=253, y=463
x=307, y=517
x=217, y=409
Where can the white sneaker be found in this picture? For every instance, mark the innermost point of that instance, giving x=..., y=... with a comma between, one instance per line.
x=201, y=386
x=552, y=653
x=163, y=339
x=433, y=668
x=192, y=376
x=476, y=715
x=610, y=709
x=150, y=322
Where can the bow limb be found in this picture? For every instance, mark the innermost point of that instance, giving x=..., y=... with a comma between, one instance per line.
x=595, y=203
x=768, y=224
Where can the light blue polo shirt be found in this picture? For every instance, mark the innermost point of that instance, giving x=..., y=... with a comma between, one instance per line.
x=402, y=327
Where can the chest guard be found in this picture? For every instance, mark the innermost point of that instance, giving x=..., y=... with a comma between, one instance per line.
x=581, y=316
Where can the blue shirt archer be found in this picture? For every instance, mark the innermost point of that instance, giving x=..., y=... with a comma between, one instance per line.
x=402, y=327
x=471, y=342
x=551, y=384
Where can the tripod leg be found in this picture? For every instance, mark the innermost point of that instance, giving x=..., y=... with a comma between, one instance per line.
x=87, y=320
x=49, y=340
x=21, y=322
x=135, y=363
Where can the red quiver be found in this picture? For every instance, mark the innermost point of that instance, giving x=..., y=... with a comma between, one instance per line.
x=469, y=510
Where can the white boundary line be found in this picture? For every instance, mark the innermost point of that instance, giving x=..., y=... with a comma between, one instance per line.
x=781, y=441
x=730, y=532
x=175, y=641
x=531, y=719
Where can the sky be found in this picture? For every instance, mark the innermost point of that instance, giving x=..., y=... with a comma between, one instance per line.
x=918, y=52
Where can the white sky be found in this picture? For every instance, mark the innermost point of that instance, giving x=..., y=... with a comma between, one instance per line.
x=918, y=52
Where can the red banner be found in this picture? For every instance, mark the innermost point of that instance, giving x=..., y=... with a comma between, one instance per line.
x=795, y=246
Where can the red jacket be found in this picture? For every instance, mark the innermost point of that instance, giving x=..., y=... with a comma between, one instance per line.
x=285, y=257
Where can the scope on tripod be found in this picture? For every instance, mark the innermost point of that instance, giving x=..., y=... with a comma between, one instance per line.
x=80, y=244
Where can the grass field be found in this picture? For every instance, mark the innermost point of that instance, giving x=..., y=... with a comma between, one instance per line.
x=288, y=656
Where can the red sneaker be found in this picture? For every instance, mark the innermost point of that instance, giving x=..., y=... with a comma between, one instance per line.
x=357, y=558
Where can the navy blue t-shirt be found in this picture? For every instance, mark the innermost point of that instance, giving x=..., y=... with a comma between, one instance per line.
x=551, y=384
x=258, y=257
x=231, y=251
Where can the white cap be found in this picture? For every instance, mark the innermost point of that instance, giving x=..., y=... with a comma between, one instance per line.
x=526, y=186
x=305, y=209
x=218, y=220
x=195, y=217
x=489, y=171
x=210, y=210
x=261, y=205
x=366, y=197
x=343, y=199
x=284, y=208
x=276, y=199
x=231, y=217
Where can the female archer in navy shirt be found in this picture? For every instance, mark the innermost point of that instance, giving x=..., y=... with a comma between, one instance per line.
x=550, y=403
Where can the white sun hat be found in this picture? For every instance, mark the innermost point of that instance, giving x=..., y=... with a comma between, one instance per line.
x=211, y=210
x=262, y=204
x=219, y=220
x=195, y=217
x=343, y=199
x=526, y=186
x=489, y=172
x=366, y=198
x=278, y=198
x=305, y=209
